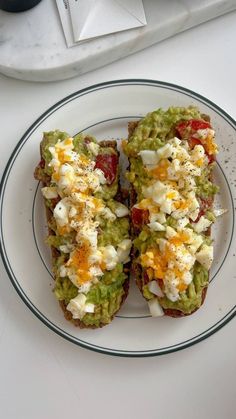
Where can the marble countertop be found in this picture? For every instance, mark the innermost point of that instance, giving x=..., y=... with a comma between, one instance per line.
x=32, y=44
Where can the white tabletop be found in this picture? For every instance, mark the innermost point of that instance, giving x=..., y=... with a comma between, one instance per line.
x=44, y=376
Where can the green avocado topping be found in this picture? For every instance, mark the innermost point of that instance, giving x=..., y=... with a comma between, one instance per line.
x=108, y=292
x=151, y=133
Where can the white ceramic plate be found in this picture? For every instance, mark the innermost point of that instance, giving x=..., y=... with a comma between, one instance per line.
x=104, y=110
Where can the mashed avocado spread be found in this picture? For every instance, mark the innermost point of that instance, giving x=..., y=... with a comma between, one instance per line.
x=171, y=155
x=88, y=229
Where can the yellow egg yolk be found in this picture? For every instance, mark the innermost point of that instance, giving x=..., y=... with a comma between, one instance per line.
x=79, y=260
x=160, y=172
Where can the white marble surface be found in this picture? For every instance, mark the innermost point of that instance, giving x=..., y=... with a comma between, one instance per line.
x=32, y=45
x=43, y=376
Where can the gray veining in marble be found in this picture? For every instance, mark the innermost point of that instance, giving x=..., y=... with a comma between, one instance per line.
x=32, y=44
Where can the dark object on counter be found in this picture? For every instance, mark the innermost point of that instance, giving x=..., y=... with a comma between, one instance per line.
x=17, y=5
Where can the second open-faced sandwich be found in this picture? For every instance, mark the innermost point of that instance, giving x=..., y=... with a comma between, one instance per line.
x=171, y=155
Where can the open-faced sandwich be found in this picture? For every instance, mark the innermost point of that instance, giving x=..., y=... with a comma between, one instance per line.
x=171, y=155
x=88, y=226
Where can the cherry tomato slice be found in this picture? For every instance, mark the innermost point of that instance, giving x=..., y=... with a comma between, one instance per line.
x=187, y=129
x=193, y=141
x=190, y=127
x=139, y=216
x=108, y=164
x=197, y=124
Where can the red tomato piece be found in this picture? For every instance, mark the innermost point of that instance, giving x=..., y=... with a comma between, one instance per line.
x=205, y=205
x=146, y=279
x=197, y=124
x=139, y=216
x=187, y=129
x=42, y=163
x=193, y=141
x=190, y=127
x=211, y=157
x=108, y=164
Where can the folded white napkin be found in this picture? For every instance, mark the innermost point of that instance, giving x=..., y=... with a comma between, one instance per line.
x=86, y=19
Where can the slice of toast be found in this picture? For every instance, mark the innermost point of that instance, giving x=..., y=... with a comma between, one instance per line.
x=112, y=303
x=138, y=271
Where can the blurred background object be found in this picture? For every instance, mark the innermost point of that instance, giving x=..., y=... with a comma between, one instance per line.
x=17, y=5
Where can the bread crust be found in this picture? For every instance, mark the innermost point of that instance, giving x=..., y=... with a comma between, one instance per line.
x=136, y=268
x=45, y=180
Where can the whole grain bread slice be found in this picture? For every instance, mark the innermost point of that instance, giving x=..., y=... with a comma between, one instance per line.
x=136, y=268
x=45, y=181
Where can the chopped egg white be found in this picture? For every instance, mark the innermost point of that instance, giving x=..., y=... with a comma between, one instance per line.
x=109, y=256
x=95, y=271
x=108, y=214
x=184, y=260
x=202, y=225
x=121, y=210
x=189, y=168
x=219, y=211
x=155, y=308
x=72, y=172
x=101, y=177
x=187, y=277
x=49, y=192
x=170, y=232
x=162, y=244
x=171, y=286
x=89, y=308
x=88, y=231
x=166, y=206
x=189, y=184
x=161, y=194
x=205, y=256
x=72, y=212
x=204, y=133
x=84, y=288
x=155, y=226
x=95, y=257
x=66, y=248
x=198, y=155
x=62, y=271
x=149, y=157
x=157, y=216
x=182, y=222
x=168, y=150
x=155, y=288
x=175, y=142
x=78, y=307
x=93, y=148
x=66, y=174
x=173, y=170
x=123, y=250
x=195, y=244
x=60, y=212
